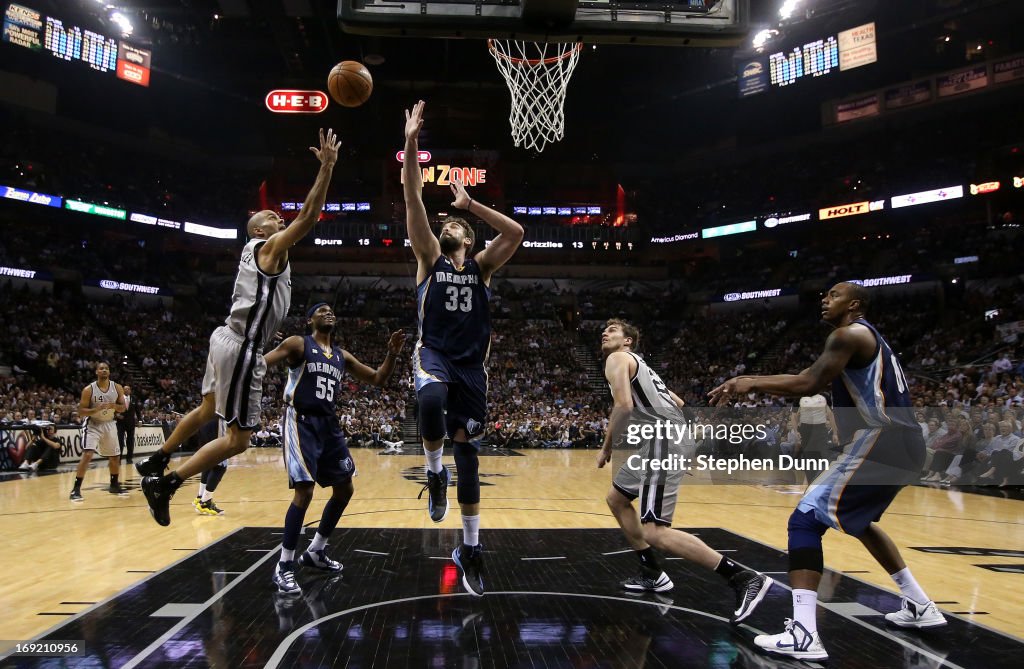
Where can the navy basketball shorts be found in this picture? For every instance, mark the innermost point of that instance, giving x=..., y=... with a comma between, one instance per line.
x=861, y=484
x=315, y=450
x=467, y=389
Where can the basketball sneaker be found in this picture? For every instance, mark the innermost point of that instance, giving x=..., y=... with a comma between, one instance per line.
x=158, y=494
x=319, y=560
x=437, y=497
x=209, y=508
x=196, y=502
x=750, y=588
x=916, y=615
x=117, y=489
x=76, y=496
x=795, y=642
x=284, y=578
x=649, y=580
x=471, y=562
x=154, y=465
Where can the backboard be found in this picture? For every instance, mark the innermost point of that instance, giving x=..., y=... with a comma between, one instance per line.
x=694, y=23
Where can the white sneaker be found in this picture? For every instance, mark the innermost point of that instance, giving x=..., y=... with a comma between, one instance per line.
x=916, y=615
x=796, y=642
x=25, y=466
x=34, y=466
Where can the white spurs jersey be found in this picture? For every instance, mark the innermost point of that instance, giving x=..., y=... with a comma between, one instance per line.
x=99, y=397
x=647, y=388
x=260, y=301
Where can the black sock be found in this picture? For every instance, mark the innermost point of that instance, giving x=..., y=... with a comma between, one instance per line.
x=173, y=480
x=727, y=568
x=113, y=479
x=78, y=483
x=649, y=559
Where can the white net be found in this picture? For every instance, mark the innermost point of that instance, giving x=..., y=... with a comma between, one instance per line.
x=537, y=75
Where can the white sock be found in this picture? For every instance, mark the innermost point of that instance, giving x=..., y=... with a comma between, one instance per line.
x=207, y=495
x=804, y=605
x=318, y=542
x=471, y=530
x=202, y=491
x=287, y=555
x=909, y=587
x=433, y=460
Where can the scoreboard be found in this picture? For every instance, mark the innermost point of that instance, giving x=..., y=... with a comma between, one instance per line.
x=28, y=28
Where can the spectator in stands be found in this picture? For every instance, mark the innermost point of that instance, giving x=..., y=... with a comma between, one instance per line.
x=44, y=451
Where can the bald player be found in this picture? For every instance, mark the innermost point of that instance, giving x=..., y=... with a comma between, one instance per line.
x=233, y=384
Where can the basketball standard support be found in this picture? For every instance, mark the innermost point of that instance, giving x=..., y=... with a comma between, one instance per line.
x=549, y=15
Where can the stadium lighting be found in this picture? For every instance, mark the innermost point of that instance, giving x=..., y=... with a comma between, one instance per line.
x=787, y=9
x=762, y=37
x=122, y=22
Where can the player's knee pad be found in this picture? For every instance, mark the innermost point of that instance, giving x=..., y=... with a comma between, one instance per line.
x=805, y=531
x=432, y=400
x=467, y=465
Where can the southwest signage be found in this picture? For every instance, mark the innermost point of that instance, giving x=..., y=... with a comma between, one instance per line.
x=18, y=273
x=421, y=156
x=987, y=187
x=95, y=209
x=289, y=101
x=775, y=221
x=896, y=280
x=841, y=210
x=927, y=196
x=31, y=197
x=751, y=295
x=209, y=231
x=129, y=287
x=724, y=230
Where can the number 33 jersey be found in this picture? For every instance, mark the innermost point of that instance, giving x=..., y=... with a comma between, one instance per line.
x=314, y=382
x=452, y=312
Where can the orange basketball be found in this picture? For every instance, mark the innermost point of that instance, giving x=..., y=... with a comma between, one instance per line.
x=350, y=83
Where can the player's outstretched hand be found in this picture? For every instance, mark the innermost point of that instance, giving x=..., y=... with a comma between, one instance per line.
x=414, y=120
x=327, y=154
x=604, y=456
x=462, y=198
x=739, y=385
x=396, y=342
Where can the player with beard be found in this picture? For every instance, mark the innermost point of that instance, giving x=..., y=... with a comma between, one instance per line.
x=452, y=292
x=314, y=445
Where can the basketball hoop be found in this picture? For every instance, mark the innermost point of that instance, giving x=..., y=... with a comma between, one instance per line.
x=537, y=75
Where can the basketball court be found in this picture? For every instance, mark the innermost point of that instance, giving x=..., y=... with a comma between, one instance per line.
x=199, y=592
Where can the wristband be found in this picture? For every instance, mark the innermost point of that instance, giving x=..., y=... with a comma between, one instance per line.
x=470, y=205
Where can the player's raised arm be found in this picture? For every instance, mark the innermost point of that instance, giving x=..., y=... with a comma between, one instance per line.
x=424, y=243
x=290, y=350
x=377, y=377
x=273, y=253
x=502, y=247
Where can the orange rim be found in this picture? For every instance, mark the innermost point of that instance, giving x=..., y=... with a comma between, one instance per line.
x=533, y=62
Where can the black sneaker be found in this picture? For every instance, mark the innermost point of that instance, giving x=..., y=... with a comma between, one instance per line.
x=750, y=588
x=76, y=495
x=284, y=578
x=158, y=495
x=437, y=499
x=471, y=562
x=117, y=489
x=154, y=465
x=649, y=580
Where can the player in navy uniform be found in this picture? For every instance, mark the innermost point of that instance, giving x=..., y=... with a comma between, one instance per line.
x=452, y=292
x=885, y=451
x=314, y=446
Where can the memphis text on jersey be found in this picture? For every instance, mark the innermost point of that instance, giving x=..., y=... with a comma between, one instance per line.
x=448, y=277
x=326, y=368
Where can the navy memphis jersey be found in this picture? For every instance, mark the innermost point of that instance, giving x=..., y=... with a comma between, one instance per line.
x=878, y=391
x=313, y=384
x=452, y=312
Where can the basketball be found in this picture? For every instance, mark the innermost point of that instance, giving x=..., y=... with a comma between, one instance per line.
x=350, y=83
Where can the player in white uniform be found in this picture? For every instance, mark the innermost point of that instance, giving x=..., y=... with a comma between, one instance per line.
x=639, y=395
x=233, y=384
x=101, y=399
